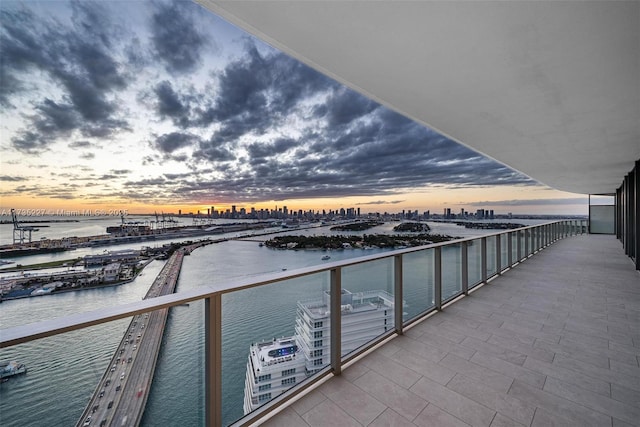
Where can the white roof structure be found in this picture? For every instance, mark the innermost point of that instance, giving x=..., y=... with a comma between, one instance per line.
x=549, y=88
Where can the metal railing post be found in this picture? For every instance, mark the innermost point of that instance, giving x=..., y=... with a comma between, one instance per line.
x=437, y=273
x=483, y=258
x=526, y=243
x=213, y=360
x=510, y=248
x=397, y=293
x=499, y=254
x=336, y=320
x=464, y=265
x=518, y=246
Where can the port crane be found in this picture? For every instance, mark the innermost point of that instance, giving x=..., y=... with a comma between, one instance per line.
x=19, y=231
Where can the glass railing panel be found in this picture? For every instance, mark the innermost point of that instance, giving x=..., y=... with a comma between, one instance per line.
x=273, y=337
x=534, y=239
x=540, y=241
x=55, y=377
x=418, y=283
x=474, y=255
x=451, y=271
x=180, y=366
x=67, y=368
x=514, y=247
x=367, y=303
x=492, y=267
x=504, y=250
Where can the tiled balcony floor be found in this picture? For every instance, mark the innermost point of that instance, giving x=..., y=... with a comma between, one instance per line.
x=553, y=342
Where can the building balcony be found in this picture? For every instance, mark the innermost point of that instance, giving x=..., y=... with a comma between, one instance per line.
x=555, y=341
x=534, y=326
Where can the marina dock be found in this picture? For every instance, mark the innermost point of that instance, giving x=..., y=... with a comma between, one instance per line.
x=121, y=395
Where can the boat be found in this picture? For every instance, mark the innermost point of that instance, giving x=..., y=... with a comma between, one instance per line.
x=41, y=291
x=326, y=257
x=278, y=364
x=9, y=369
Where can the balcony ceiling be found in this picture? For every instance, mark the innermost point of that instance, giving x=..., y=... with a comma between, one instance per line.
x=551, y=89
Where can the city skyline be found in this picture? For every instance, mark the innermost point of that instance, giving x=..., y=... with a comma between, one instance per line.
x=165, y=107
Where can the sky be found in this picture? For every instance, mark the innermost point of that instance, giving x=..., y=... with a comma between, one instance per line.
x=149, y=106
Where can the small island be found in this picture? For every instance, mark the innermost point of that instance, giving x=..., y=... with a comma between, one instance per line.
x=357, y=226
x=413, y=227
x=366, y=241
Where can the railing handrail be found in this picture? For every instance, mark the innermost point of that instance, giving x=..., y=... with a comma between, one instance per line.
x=25, y=333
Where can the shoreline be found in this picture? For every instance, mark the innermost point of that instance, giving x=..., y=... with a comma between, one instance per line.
x=83, y=288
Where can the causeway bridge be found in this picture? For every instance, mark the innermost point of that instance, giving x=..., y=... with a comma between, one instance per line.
x=121, y=395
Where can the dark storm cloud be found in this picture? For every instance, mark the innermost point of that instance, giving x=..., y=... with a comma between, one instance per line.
x=170, y=142
x=213, y=152
x=55, y=117
x=175, y=38
x=169, y=104
x=279, y=146
x=149, y=182
x=80, y=144
x=266, y=126
x=107, y=177
x=346, y=146
x=77, y=58
x=175, y=176
x=382, y=155
x=257, y=91
x=345, y=106
x=29, y=142
x=173, y=105
x=7, y=178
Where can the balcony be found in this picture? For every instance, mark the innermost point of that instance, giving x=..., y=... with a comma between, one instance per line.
x=474, y=340
x=555, y=341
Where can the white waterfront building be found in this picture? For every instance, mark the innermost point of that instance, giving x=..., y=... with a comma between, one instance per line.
x=275, y=366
